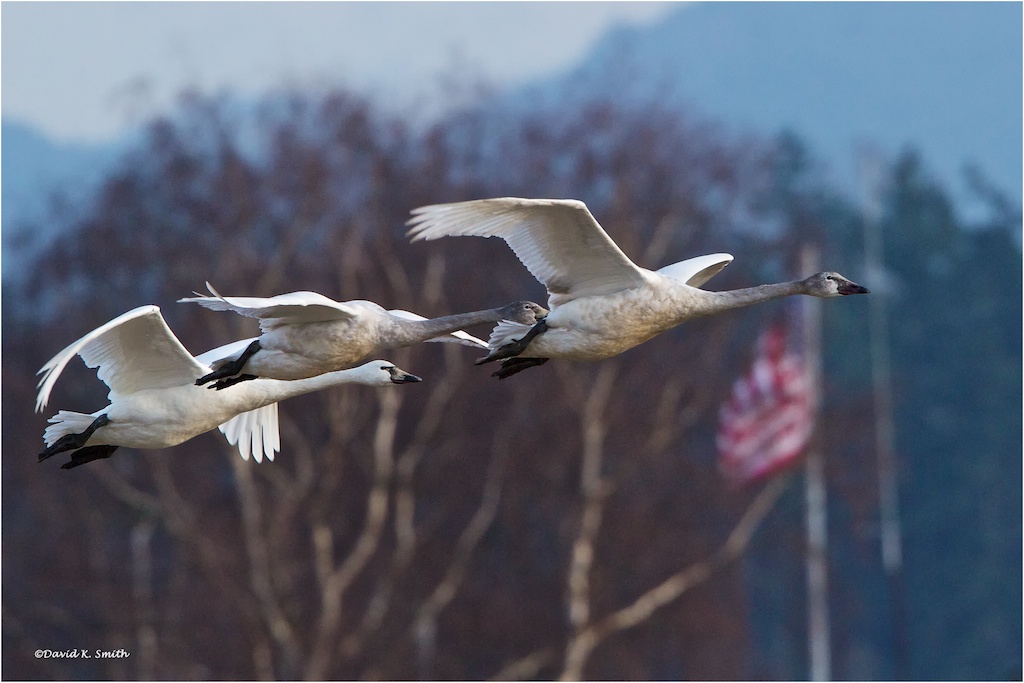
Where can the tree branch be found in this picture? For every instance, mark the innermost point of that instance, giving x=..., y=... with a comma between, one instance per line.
x=142, y=590
x=425, y=624
x=119, y=488
x=594, y=492
x=277, y=623
x=336, y=581
x=427, y=428
x=526, y=668
x=582, y=644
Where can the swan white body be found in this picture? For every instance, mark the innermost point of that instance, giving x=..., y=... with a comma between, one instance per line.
x=305, y=334
x=594, y=328
x=601, y=302
x=154, y=402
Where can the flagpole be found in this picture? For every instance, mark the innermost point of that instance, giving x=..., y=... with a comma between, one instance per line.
x=888, y=493
x=819, y=648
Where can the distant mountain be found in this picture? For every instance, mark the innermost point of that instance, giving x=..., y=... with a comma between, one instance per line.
x=36, y=170
x=34, y=165
x=942, y=77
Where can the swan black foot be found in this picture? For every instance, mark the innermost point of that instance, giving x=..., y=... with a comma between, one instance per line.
x=516, y=346
x=511, y=366
x=230, y=381
x=231, y=368
x=88, y=454
x=70, y=442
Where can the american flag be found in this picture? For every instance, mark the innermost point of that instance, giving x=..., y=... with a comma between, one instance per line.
x=767, y=421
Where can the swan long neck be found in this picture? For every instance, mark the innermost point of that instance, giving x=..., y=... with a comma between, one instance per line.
x=713, y=302
x=415, y=331
x=274, y=390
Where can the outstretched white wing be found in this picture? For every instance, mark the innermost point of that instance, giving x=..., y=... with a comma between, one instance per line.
x=283, y=309
x=458, y=336
x=698, y=270
x=254, y=432
x=134, y=351
x=558, y=240
x=227, y=351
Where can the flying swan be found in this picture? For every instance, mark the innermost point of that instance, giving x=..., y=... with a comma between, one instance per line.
x=154, y=402
x=601, y=302
x=306, y=334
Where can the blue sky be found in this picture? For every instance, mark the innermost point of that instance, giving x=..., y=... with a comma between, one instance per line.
x=86, y=70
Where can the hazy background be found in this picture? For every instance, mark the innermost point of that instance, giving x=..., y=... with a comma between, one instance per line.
x=83, y=90
x=272, y=147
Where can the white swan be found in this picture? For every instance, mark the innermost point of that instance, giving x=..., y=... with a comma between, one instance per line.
x=601, y=302
x=154, y=402
x=306, y=334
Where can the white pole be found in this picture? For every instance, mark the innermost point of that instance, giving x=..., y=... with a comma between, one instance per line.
x=817, y=517
x=888, y=490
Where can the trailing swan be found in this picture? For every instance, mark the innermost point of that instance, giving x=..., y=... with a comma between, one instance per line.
x=601, y=302
x=306, y=334
x=154, y=402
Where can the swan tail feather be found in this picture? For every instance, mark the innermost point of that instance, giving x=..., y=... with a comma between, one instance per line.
x=66, y=422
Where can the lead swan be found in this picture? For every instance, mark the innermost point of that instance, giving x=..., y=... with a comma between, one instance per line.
x=154, y=402
x=306, y=334
x=601, y=302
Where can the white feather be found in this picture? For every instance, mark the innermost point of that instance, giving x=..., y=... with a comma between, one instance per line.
x=698, y=270
x=132, y=351
x=305, y=334
x=154, y=402
x=601, y=302
x=558, y=240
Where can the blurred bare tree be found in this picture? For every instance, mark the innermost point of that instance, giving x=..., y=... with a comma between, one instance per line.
x=568, y=522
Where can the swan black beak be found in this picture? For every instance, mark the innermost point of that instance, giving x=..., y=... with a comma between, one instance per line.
x=399, y=377
x=852, y=288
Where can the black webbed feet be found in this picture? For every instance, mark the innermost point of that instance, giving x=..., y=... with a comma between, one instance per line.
x=507, y=351
x=511, y=366
x=88, y=454
x=231, y=368
x=230, y=381
x=516, y=346
x=70, y=442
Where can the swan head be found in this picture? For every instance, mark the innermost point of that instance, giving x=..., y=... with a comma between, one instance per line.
x=829, y=284
x=381, y=373
x=523, y=312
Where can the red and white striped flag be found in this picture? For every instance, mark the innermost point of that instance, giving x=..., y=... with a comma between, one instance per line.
x=767, y=421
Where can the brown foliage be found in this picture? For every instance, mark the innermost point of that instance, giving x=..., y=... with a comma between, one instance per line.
x=463, y=528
